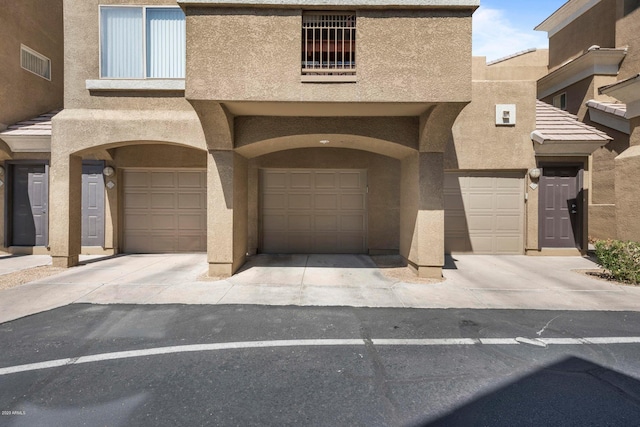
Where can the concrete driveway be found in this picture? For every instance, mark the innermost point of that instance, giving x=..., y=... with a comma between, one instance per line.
x=471, y=281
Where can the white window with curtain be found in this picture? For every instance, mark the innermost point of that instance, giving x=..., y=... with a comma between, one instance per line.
x=139, y=42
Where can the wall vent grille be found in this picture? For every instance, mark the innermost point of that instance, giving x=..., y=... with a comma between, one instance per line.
x=34, y=62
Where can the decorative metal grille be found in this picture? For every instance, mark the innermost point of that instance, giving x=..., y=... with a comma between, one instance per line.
x=32, y=61
x=329, y=44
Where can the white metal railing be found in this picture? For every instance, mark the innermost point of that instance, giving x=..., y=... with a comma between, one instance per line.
x=329, y=44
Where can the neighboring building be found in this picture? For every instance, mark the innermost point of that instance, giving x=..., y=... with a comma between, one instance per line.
x=299, y=126
x=31, y=83
x=594, y=61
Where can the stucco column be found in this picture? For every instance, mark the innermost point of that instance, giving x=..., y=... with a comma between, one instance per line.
x=226, y=212
x=422, y=212
x=65, y=214
x=627, y=185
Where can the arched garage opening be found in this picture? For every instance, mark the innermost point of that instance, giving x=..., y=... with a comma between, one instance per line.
x=156, y=198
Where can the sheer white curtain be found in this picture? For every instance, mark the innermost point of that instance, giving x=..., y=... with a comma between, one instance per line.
x=122, y=44
x=166, y=43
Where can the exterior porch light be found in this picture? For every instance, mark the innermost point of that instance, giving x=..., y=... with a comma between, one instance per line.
x=534, y=173
x=1, y=170
x=108, y=171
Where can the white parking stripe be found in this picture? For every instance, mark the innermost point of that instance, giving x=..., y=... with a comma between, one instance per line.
x=306, y=343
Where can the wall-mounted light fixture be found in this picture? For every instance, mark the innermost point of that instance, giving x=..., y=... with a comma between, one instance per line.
x=1, y=170
x=108, y=171
x=534, y=173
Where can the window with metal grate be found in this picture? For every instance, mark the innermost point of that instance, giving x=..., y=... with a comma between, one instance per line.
x=329, y=46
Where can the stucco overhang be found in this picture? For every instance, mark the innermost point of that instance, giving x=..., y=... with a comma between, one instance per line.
x=30, y=136
x=559, y=133
x=596, y=61
x=610, y=115
x=627, y=91
x=566, y=14
x=337, y=4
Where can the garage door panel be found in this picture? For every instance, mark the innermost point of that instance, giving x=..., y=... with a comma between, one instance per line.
x=137, y=200
x=274, y=222
x=192, y=180
x=482, y=200
x=325, y=180
x=191, y=201
x=352, y=201
x=510, y=201
x=274, y=201
x=300, y=201
x=300, y=180
x=164, y=211
x=163, y=180
x=137, y=179
x=484, y=213
x=162, y=222
x=191, y=222
x=350, y=180
x=300, y=222
x=352, y=223
x=275, y=180
x=326, y=202
x=137, y=222
x=320, y=216
x=326, y=222
x=163, y=201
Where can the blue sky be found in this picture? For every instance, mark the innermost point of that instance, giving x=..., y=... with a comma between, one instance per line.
x=503, y=27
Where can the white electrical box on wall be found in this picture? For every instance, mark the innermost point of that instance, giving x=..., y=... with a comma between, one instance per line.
x=505, y=114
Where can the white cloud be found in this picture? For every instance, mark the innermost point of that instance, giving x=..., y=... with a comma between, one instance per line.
x=494, y=36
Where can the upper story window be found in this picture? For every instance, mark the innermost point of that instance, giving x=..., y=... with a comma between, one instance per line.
x=142, y=42
x=329, y=45
x=35, y=62
x=560, y=101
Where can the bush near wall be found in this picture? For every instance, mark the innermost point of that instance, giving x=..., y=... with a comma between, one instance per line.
x=620, y=259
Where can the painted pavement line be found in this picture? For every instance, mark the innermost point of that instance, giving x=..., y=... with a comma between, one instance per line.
x=305, y=343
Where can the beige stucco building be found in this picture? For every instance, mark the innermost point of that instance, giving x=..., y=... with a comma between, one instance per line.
x=594, y=45
x=239, y=127
x=31, y=84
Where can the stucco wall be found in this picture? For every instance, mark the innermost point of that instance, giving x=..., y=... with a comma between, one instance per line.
x=383, y=175
x=479, y=144
x=254, y=54
x=82, y=62
x=628, y=34
x=528, y=66
x=579, y=93
x=594, y=27
x=38, y=25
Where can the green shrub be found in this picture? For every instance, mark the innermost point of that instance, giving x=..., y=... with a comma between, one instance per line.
x=620, y=259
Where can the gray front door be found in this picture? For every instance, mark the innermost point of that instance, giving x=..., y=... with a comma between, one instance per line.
x=559, y=207
x=92, y=204
x=30, y=197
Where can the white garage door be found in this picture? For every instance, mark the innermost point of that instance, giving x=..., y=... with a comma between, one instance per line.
x=313, y=211
x=165, y=210
x=484, y=213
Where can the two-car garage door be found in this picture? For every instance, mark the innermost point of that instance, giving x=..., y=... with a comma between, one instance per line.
x=484, y=213
x=165, y=210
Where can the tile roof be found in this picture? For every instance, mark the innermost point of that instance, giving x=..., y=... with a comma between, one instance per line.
x=39, y=126
x=554, y=124
x=614, y=108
